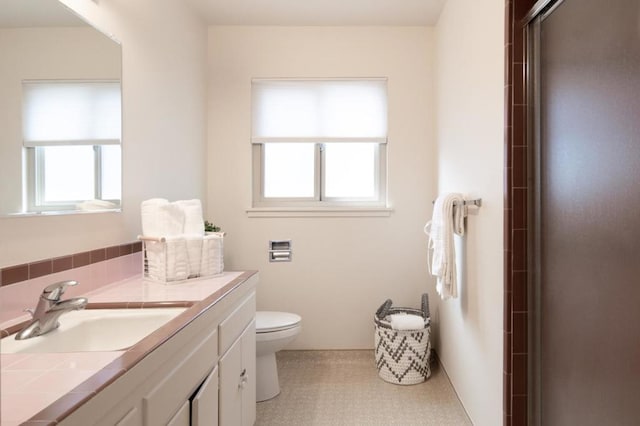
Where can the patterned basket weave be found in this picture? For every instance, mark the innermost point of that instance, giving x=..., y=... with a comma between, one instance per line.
x=402, y=356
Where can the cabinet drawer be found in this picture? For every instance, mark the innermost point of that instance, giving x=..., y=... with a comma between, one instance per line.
x=231, y=328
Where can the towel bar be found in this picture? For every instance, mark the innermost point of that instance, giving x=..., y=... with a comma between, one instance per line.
x=475, y=202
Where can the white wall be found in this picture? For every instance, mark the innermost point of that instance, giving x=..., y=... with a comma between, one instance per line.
x=342, y=268
x=470, y=123
x=164, y=80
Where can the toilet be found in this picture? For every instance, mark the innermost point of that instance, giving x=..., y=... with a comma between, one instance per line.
x=274, y=330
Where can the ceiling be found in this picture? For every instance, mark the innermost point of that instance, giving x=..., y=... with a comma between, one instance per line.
x=37, y=13
x=34, y=13
x=318, y=12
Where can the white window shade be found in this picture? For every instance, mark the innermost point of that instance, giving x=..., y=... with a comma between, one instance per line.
x=319, y=110
x=71, y=113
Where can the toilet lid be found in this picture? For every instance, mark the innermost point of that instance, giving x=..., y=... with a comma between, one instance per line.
x=268, y=321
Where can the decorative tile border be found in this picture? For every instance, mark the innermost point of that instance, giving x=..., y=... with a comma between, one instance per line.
x=18, y=273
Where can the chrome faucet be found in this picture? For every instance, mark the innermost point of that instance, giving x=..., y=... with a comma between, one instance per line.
x=49, y=309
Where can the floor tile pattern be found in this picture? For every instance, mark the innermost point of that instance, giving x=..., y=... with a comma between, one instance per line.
x=343, y=388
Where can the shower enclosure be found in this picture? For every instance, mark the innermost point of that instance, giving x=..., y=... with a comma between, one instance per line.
x=584, y=212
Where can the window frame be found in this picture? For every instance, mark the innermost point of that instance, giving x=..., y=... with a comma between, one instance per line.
x=36, y=185
x=261, y=135
x=320, y=200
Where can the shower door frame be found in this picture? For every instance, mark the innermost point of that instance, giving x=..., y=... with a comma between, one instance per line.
x=532, y=27
x=518, y=388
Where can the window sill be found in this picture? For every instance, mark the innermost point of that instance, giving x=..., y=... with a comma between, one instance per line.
x=60, y=213
x=319, y=212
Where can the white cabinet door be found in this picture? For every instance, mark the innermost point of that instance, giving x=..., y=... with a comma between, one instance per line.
x=132, y=418
x=230, y=366
x=181, y=418
x=204, y=404
x=238, y=381
x=248, y=339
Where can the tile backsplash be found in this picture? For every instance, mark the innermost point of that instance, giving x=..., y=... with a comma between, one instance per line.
x=21, y=285
x=26, y=271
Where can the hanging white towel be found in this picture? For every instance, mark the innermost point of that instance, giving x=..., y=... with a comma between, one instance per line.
x=448, y=218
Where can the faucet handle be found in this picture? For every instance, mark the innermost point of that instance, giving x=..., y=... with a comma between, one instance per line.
x=55, y=291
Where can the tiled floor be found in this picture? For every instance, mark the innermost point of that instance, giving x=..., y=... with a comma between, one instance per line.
x=343, y=388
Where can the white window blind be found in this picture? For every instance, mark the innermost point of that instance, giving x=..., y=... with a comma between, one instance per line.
x=319, y=110
x=71, y=113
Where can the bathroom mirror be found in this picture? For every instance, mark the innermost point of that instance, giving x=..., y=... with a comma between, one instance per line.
x=60, y=97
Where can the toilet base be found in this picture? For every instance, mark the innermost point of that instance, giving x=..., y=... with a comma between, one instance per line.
x=267, y=385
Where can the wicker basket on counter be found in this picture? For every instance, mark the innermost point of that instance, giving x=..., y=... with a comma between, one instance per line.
x=173, y=260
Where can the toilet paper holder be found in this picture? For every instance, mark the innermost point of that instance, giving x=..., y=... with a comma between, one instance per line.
x=279, y=250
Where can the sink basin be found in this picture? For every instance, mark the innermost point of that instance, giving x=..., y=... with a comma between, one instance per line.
x=94, y=330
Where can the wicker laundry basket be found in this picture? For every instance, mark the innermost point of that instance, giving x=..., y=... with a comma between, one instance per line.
x=402, y=356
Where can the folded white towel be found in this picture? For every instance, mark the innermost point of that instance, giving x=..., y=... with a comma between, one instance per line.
x=182, y=225
x=161, y=218
x=448, y=218
x=177, y=261
x=150, y=217
x=212, y=254
x=194, y=253
x=406, y=322
x=156, y=256
x=193, y=221
x=90, y=205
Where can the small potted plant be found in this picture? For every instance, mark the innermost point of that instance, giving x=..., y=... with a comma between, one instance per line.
x=213, y=250
x=210, y=227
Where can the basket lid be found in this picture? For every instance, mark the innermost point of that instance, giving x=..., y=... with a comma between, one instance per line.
x=269, y=321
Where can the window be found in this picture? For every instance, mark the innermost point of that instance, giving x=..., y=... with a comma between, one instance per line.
x=71, y=137
x=319, y=143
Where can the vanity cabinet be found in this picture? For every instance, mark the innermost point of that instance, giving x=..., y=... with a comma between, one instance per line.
x=202, y=408
x=204, y=404
x=204, y=374
x=182, y=417
x=133, y=417
x=238, y=380
x=237, y=400
x=174, y=386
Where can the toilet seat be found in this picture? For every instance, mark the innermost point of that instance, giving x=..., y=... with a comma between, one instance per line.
x=270, y=321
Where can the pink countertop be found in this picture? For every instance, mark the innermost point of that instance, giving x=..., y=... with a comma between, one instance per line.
x=41, y=389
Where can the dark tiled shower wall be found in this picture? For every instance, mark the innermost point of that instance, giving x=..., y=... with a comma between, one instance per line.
x=515, y=218
x=26, y=271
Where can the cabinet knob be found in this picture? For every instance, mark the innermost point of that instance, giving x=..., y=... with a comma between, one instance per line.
x=244, y=377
